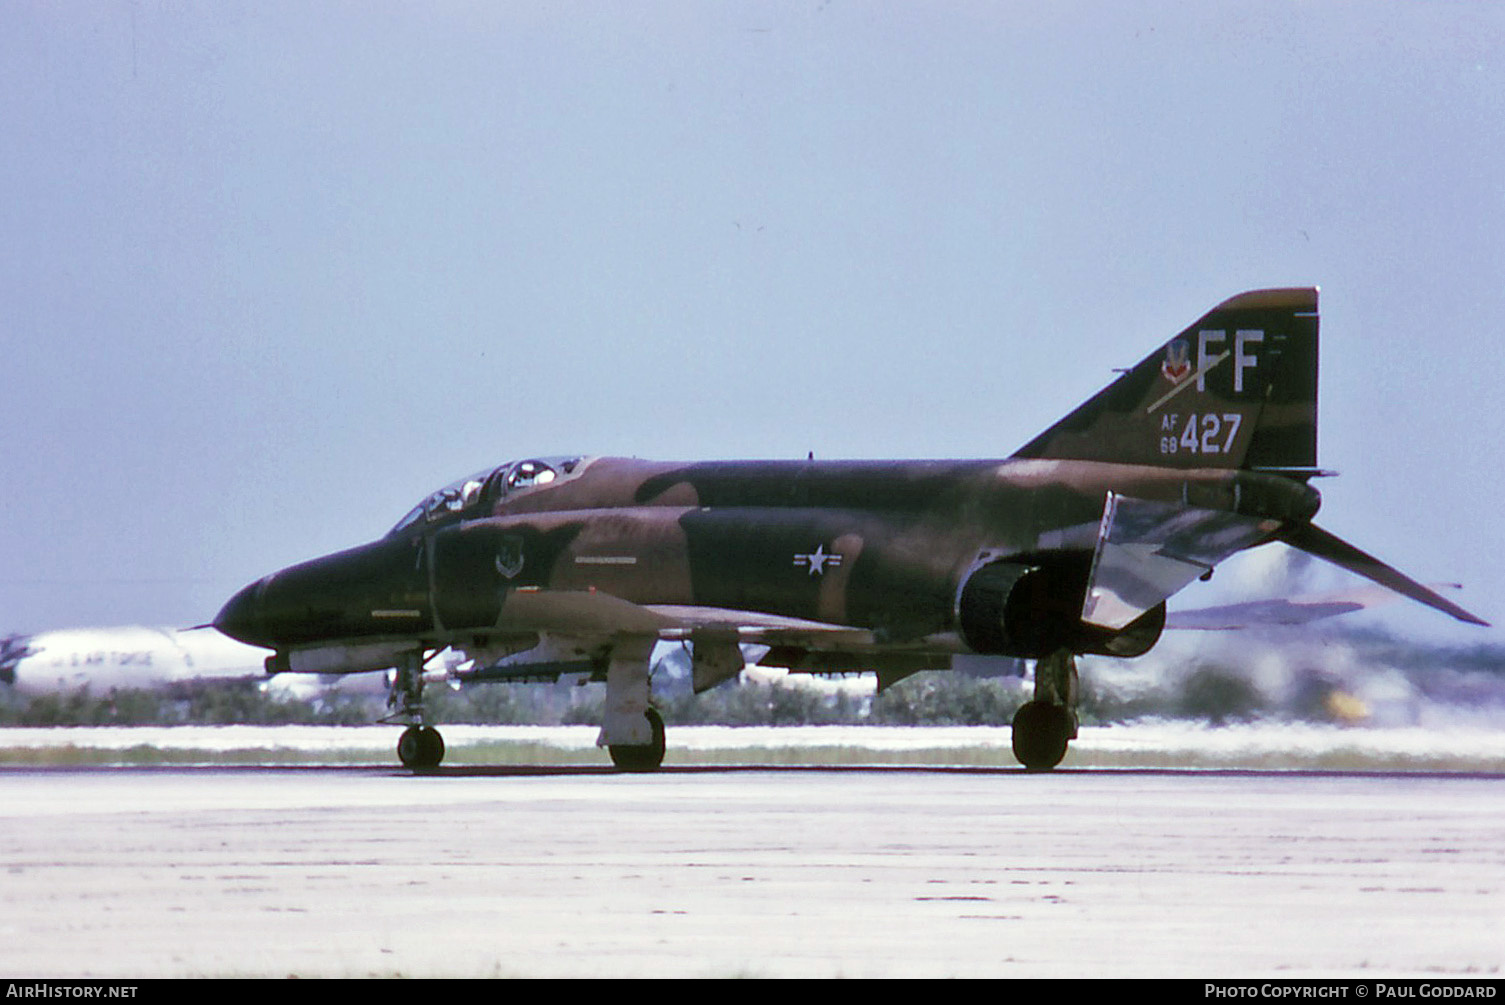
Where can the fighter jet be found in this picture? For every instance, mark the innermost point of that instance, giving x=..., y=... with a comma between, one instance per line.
x=1071, y=546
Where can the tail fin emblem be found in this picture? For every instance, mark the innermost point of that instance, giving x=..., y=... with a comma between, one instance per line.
x=1177, y=365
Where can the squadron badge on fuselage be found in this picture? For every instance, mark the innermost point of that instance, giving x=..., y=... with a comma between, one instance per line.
x=509, y=556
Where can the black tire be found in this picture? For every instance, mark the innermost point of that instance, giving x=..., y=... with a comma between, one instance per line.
x=647, y=757
x=409, y=747
x=433, y=747
x=420, y=747
x=1041, y=733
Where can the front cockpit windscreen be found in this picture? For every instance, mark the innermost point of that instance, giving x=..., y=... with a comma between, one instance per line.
x=476, y=494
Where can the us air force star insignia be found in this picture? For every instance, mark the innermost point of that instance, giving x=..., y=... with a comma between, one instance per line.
x=817, y=560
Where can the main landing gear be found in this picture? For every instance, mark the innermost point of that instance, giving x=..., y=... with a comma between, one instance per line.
x=1045, y=726
x=632, y=731
x=645, y=757
x=420, y=745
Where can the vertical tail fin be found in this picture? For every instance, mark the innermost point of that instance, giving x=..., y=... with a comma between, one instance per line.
x=1237, y=389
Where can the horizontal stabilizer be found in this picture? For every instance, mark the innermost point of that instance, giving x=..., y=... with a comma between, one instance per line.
x=1285, y=612
x=1315, y=541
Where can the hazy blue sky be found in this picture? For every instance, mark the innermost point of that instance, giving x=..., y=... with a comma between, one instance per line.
x=273, y=271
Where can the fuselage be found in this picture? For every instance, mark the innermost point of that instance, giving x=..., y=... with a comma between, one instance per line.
x=880, y=545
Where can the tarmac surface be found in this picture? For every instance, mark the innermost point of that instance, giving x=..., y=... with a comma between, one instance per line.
x=705, y=871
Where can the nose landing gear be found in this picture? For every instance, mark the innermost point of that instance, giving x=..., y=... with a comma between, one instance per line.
x=420, y=745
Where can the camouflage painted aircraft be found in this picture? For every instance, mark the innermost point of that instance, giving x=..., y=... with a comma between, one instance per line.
x=1072, y=546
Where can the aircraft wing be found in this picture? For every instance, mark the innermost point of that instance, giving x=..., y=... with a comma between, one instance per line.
x=576, y=622
x=578, y=613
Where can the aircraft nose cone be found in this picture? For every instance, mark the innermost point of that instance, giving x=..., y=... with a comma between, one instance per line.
x=241, y=619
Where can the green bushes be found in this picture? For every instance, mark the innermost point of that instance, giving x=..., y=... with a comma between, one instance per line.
x=1302, y=678
x=218, y=703
x=925, y=699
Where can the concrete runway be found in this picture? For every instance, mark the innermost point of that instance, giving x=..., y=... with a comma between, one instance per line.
x=118, y=873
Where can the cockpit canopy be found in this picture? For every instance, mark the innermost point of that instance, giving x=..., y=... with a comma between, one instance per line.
x=479, y=492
